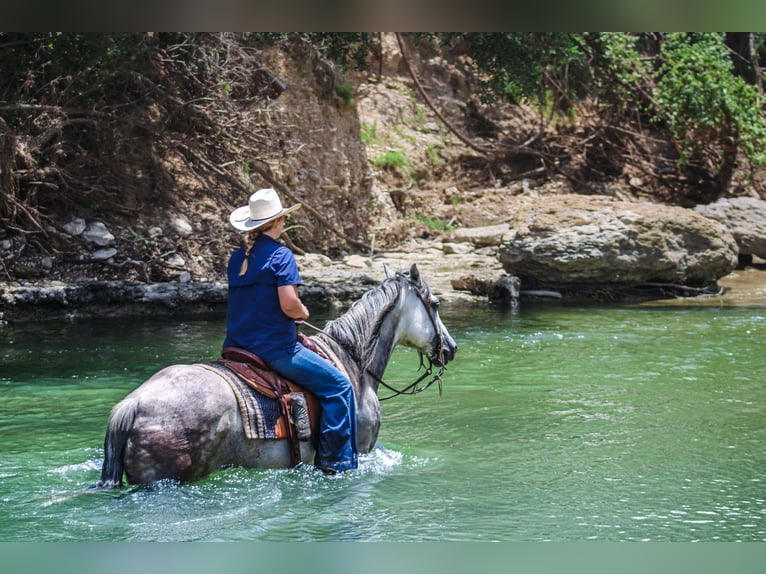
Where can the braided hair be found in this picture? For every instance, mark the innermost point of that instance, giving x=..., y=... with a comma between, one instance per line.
x=250, y=240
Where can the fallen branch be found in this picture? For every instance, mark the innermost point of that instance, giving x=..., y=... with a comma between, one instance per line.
x=541, y=293
x=709, y=290
x=431, y=105
x=57, y=109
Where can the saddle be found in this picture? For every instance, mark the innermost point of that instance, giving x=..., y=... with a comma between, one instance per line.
x=299, y=409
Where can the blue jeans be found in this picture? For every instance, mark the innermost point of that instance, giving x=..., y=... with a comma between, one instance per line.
x=336, y=448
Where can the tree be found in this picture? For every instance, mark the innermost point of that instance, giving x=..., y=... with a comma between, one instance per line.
x=686, y=84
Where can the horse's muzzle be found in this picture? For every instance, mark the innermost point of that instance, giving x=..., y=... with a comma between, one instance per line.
x=446, y=353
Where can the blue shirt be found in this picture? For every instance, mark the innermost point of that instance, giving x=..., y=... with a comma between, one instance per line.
x=254, y=319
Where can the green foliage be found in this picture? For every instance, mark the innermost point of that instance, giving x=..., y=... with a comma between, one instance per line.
x=620, y=69
x=345, y=92
x=137, y=236
x=74, y=68
x=369, y=133
x=420, y=114
x=520, y=66
x=391, y=158
x=432, y=154
x=345, y=50
x=699, y=97
x=434, y=223
x=685, y=83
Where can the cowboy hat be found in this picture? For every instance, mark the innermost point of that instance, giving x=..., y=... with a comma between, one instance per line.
x=264, y=206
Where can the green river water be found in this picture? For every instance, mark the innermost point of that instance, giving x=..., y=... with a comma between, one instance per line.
x=556, y=423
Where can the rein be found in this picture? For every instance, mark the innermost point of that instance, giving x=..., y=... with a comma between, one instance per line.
x=412, y=388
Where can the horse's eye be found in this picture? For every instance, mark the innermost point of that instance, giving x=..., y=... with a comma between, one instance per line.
x=435, y=304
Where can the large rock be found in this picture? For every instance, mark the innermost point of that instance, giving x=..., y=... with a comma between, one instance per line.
x=573, y=239
x=745, y=217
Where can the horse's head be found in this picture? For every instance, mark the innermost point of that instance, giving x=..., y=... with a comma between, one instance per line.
x=420, y=326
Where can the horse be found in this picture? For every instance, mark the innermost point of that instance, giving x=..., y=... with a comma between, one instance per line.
x=184, y=423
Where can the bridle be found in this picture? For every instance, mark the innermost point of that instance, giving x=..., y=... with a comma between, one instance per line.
x=415, y=387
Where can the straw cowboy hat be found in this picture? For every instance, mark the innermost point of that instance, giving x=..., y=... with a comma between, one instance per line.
x=264, y=206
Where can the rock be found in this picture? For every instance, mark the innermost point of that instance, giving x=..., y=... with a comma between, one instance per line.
x=310, y=260
x=573, y=239
x=154, y=232
x=481, y=236
x=390, y=53
x=505, y=291
x=456, y=248
x=104, y=254
x=181, y=225
x=745, y=218
x=75, y=227
x=357, y=261
x=176, y=260
x=502, y=291
x=472, y=284
x=97, y=233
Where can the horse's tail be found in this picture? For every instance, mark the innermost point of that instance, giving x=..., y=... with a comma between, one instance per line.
x=120, y=422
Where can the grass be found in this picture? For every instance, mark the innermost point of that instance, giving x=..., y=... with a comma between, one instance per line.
x=432, y=153
x=434, y=223
x=391, y=158
x=369, y=133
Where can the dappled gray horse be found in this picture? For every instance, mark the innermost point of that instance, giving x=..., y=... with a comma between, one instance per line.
x=184, y=422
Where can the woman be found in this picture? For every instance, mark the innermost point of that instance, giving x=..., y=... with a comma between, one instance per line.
x=262, y=312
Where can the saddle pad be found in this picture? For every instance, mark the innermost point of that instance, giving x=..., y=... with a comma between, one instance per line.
x=260, y=414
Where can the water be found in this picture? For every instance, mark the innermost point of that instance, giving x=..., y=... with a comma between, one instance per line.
x=559, y=423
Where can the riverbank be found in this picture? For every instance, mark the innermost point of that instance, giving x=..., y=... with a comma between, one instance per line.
x=327, y=285
x=742, y=288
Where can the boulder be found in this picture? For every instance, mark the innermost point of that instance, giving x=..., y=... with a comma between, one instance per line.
x=573, y=239
x=481, y=236
x=745, y=218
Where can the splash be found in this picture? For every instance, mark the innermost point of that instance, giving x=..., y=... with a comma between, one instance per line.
x=379, y=461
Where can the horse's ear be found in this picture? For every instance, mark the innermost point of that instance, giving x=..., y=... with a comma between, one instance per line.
x=415, y=275
x=388, y=271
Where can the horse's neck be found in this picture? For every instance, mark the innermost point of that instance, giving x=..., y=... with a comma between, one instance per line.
x=383, y=348
x=366, y=341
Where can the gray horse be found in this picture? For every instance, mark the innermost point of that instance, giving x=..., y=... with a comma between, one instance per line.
x=184, y=423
